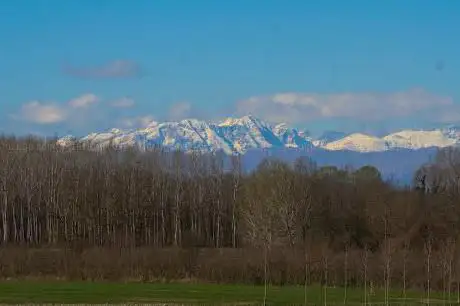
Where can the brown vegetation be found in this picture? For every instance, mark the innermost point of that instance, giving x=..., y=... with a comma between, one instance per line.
x=80, y=214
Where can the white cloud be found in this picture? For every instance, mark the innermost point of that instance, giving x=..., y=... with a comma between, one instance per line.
x=180, y=110
x=49, y=112
x=84, y=101
x=294, y=107
x=124, y=102
x=37, y=112
x=138, y=122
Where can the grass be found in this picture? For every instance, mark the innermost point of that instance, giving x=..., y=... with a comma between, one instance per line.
x=21, y=292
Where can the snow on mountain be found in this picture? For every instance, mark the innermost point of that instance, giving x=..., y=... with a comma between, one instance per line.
x=66, y=141
x=246, y=133
x=358, y=142
x=451, y=132
x=412, y=139
x=233, y=135
x=292, y=138
x=239, y=135
x=327, y=137
x=405, y=139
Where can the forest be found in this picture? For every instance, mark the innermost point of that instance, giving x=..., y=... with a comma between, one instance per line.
x=82, y=214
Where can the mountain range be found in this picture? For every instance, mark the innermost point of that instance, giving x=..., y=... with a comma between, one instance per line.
x=397, y=154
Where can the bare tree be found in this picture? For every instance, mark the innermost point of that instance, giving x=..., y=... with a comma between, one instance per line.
x=236, y=175
x=365, y=261
x=428, y=254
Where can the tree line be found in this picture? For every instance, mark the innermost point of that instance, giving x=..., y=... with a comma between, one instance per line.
x=157, y=215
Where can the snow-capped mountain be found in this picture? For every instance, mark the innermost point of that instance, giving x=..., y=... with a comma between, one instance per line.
x=327, y=137
x=405, y=139
x=358, y=142
x=233, y=135
x=239, y=135
x=421, y=139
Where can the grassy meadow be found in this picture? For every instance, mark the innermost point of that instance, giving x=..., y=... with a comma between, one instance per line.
x=53, y=292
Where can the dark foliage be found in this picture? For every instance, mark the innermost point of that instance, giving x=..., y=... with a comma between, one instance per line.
x=80, y=214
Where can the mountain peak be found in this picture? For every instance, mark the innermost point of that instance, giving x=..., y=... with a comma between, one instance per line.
x=230, y=135
x=358, y=142
x=230, y=121
x=245, y=120
x=249, y=132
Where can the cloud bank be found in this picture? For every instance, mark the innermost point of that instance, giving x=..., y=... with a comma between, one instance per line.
x=51, y=113
x=292, y=107
x=41, y=113
x=137, y=122
x=412, y=108
x=84, y=101
x=180, y=110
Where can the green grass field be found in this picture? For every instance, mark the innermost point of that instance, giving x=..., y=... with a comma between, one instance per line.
x=21, y=292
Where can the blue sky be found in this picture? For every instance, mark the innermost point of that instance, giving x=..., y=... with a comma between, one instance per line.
x=77, y=66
